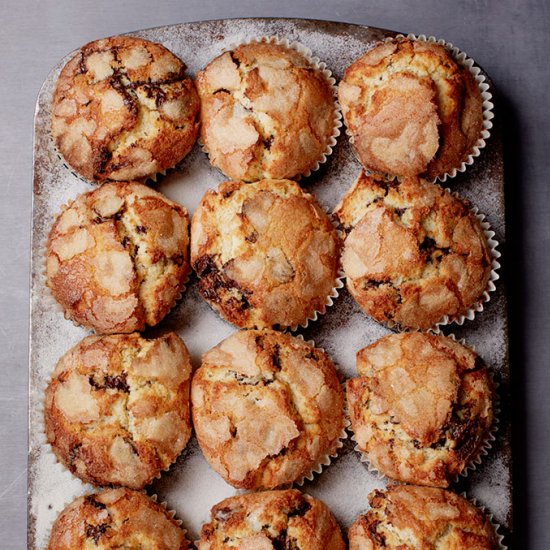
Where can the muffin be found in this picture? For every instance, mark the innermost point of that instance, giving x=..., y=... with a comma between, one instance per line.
x=117, y=257
x=405, y=516
x=266, y=112
x=265, y=253
x=116, y=518
x=411, y=109
x=267, y=408
x=124, y=110
x=271, y=520
x=413, y=253
x=117, y=408
x=422, y=407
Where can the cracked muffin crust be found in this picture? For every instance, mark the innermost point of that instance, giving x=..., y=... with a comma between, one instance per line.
x=271, y=520
x=117, y=258
x=406, y=516
x=266, y=254
x=421, y=408
x=123, y=109
x=266, y=112
x=117, y=408
x=411, y=109
x=267, y=408
x=413, y=253
x=116, y=518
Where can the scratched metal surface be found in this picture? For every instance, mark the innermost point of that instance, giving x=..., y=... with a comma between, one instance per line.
x=190, y=487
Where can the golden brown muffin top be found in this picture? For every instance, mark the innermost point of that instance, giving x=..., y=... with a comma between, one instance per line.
x=411, y=108
x=271, y=520
x=117, y=408
x=123, y=109
x=266, y=254
x=413, y=252
x=265, y=111
x=267, y=408
x=117, y=257
x=421, y=407
x=116, y=518
x=406, y=516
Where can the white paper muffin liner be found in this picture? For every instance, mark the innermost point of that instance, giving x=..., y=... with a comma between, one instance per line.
x=329, y=302
x=462, y=59
x=326, y=460
x=338, y=284
x=492, y=244
x=50, y=300
x=96, y=490
x=479, y=305
x=320, y=67
x=496, y=526
x=56, y=462
x=483, y=449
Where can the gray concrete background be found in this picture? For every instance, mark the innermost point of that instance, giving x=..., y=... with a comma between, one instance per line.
x=508, y=38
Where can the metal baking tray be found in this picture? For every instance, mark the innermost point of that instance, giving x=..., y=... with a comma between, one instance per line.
x=191, y=487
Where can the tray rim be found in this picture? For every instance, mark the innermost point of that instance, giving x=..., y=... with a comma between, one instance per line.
x=35, y=259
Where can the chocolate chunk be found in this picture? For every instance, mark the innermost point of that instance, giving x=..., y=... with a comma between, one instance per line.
x=96, y=531
x=378, y=537
x=223, y=514
x=279, y=541
x=92, y=501
x=276, y=356
x=115, y=382
x=300, y=510
x=73, y=453
x=427, y=244
x=141, y=229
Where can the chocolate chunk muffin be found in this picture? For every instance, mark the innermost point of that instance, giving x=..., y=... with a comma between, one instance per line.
x=270, y=520
x=405, y=516
x=421, y=408
x=411, y=108
x=117, y=257
x=266, y=112
x=117, y=408
x=413, y=253
x=267, y=408
x=124, y=110
x=116, y=518
x=266, y=254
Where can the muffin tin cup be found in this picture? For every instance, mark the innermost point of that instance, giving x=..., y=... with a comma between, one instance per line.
x=54, y=305
x=479, y=305
x=483, y=449
x=321, y=68
x=57, y=463
x=94, y=490
x=468, y=63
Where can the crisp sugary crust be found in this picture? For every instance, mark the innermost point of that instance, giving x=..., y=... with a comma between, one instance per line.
x=117, y=258
x=267, y=408
x=413, y=252
x=116, y=518
x=421, y=407
x=117, y=408
x=123, y=110
x=271, y=520
x=265, y=253
x=411, y=108
x=406, y=516
x=266, y=113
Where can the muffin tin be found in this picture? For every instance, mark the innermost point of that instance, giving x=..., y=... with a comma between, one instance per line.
x=191, y=487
